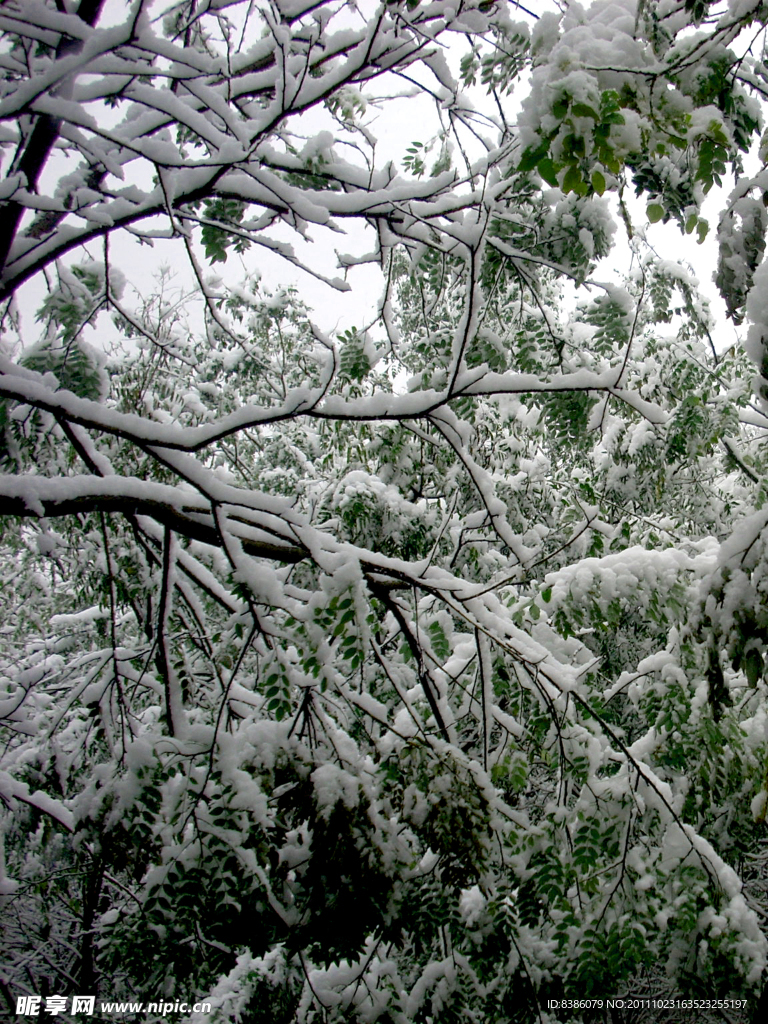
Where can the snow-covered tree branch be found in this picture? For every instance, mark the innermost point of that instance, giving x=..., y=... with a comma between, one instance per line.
x=406, y=672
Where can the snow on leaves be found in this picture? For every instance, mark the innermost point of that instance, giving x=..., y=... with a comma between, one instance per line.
x=413, y=671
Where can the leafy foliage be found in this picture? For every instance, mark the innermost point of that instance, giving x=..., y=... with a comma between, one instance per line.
x=413, y=671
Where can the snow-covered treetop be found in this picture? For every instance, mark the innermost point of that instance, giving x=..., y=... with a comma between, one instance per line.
x=413, y=671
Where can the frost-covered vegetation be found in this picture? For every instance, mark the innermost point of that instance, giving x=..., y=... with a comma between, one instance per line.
x=413, y=673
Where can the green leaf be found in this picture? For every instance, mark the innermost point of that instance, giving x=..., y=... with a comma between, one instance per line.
x=560, y=109
x=531, y=157
x=655, y=212
x=572, y=182
x=753, y=666
x=548, y=171
x=598, y=182
x=440, y=644
x=584, y=110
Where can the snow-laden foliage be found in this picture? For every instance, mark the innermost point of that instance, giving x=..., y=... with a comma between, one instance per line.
x=412, y=672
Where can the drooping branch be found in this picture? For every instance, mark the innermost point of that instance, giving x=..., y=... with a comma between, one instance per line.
x=38, y=497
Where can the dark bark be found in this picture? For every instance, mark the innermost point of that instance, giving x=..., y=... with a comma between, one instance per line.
x=34, y=154
x=92, y=884
x=192, y=524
